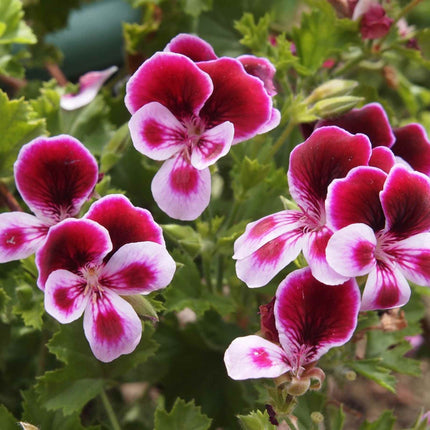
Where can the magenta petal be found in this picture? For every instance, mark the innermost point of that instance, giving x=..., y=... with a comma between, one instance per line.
x=314, y=251
x=329, y=153
x=125, y=223
x=260, y=232
x=252, y=357
x=262, y=68
x=351, y=250
x=139, y=267
x=370, y=120
x=192, y=47
x=412, y=144
x=111, y=326
x=312, y=317
x=180, y=190
x=172, y=80
x=71, y=245
x=237, y=97
x=65, y=297
x=156, y=132
x=385, y=288
x=355, y=199
x=382, y=158
x=275, y=119
x=89, y=86
x=257, y=269
x=413, y=257
x=406, y=202
x=55, y=176
x=21, y=235
x=213, y=144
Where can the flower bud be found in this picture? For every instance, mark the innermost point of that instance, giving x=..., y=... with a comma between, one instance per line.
x=332, y=88
x=298, y=386
x=334, y=106
x=317, y=417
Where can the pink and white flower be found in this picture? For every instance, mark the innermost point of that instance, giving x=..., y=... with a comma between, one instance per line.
x=271, y=243
x=189, y=114
x=55, y=176
x=86, y=266
x=310, y=318
x=383, y=224
x=89, y=86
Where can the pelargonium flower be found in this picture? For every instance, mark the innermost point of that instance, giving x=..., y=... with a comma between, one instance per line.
x=189, y=114
x=86, y=266
x=55, y=176
x=89, y=86
x=383, y=224
x=310, y=317
x=269, y=244
x=409, y=143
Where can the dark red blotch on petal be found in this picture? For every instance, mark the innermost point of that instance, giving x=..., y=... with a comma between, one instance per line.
x=237, y=97
x=314, y=315
x=355, y=199
x=54, y=174
x=329, y=153
x=108, y=325
x=406, y=202
x=172, y=80
x=184, y=179
x=413, y=146
x=260, y=357
x=370, y=120
x=192, y=47
x=125, y=222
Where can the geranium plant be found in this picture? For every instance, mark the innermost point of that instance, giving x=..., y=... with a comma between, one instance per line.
x=223, y=225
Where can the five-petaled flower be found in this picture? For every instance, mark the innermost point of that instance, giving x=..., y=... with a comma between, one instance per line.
x=310, y=318
x=86, y=265
x=383, y=224
x=189, y=114
x=269, y=244
x=55, y=176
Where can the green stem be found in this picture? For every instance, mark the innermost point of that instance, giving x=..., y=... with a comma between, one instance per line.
x=110, y=412
x=281, y=139
x=207, y=271
x=407, y=9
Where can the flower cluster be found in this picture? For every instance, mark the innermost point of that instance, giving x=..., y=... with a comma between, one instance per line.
x=85, y=265
x=188, y=107
x=363, y=209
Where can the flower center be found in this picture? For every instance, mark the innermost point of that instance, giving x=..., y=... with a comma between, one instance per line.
x=91, y=274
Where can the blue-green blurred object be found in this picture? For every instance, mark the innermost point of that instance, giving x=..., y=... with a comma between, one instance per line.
x=92, y=39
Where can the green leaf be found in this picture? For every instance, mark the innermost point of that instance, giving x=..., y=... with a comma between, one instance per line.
x=183, y=416
x=75, y=395
x=47, y=106
x=337, y=418
x=18, y=125
x=256, y=420
x=373, y=369
x=196, y=7
x=90, y=124
x=321, y=34
x=35, y=412
x=12, y=27
x=7, y=420
x=188, y=291
x=115, y=148
x=255, y=35
x=185, y=236
x=385, y=422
